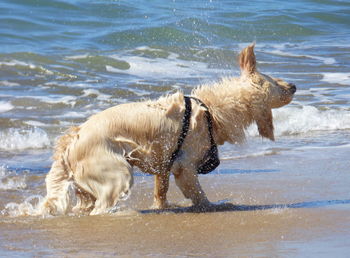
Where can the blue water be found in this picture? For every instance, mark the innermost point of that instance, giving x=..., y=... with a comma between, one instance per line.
x=54, y=27
x=61, y=61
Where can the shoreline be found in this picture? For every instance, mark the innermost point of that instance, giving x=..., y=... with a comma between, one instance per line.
x=293, y=203
x=251, y=228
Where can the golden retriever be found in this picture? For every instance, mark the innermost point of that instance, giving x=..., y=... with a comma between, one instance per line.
x=97, y=157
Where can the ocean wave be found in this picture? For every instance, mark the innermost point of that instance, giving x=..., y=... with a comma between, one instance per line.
x=5, y=106
x=20, y=65
x=338, y=78
x=97, y=94
x=306, y=119
x=36, y=123
x=69, y=100
x=9, y=84
x=20, y=139
x=325, y=60
x=99, y=63
x=301, y=51
x=156, y=63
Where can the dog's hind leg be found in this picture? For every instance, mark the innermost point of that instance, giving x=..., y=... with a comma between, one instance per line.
x=85, y=201
x=57, y=198
x=107, y=177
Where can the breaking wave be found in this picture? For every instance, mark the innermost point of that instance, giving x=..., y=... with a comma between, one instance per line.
x=20, y=139
x=306, y=119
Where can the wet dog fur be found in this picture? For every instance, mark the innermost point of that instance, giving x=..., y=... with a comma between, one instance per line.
x=97, y=157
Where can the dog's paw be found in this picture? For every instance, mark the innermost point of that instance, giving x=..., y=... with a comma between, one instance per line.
x=160, y=205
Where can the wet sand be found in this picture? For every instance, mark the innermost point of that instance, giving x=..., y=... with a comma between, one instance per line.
x=294, y=207
x=266, y=233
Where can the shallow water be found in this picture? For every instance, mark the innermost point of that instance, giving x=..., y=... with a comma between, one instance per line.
x=280, y=209
x=61, y=61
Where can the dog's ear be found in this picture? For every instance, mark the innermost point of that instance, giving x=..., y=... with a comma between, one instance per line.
x=264, y=121
x=247, y=60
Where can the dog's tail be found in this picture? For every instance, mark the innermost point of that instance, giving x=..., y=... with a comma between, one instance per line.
x=58, y=181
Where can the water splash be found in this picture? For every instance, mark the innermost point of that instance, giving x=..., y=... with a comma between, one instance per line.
x=20, y=139
x=10, y=180
x=30, y=207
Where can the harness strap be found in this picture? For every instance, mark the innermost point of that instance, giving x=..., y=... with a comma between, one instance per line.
x=185, y=126
x=209, y=120
x=211, y=159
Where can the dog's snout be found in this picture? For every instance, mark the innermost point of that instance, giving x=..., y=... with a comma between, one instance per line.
x=292, y=88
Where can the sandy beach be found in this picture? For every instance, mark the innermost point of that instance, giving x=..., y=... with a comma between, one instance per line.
x=289, y=209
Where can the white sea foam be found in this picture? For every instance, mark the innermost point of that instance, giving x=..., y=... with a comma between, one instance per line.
x=339, y=78
x=77, y=57
x=73, y=114
x=9, y=84
x=55, y=99
x=16, y=63
x=100, y=96
x=70, y=84
x=307, y=119
x=19, y=139
x=36, y=123
x=293, y=120
x=282, y=50
x=52, y=99
x=11, y=181
x=170, y=67
x=5, y=106
x=325, y=60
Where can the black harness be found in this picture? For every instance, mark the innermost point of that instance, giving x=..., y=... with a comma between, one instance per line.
x=210, y=160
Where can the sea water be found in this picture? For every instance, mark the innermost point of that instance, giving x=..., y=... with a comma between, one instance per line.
x=62, y=61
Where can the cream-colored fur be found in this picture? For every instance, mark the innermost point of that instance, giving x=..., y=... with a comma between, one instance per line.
x=97, y=158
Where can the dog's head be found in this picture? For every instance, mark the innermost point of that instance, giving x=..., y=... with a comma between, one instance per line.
x=267, y=93
x=279, y=92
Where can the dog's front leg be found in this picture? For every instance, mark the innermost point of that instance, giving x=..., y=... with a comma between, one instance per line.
x=187, y=180
x=161, y=186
